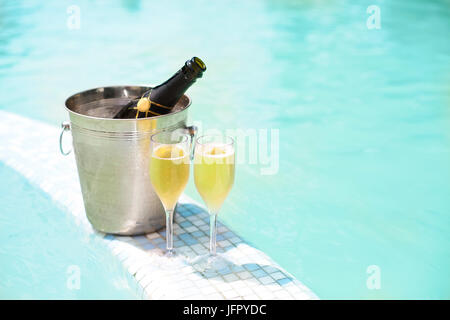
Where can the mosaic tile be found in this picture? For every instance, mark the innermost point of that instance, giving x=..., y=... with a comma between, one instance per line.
x=199, y=249
x=158, y=240
x=145, y=281
x=153, y=235
x=266, y=295
x=140, y=273
x=251, y=267
x=161, y=245
x=178, y=243
x=191, y=229
x=244, y=275
x=266, y=280
x=270, y=269
x=284, y=281
x=225, y=271
x=277, y=275
x=283, y=295
x=235, y=240
x=198, y=234
x=259, y=273
x=123, y=256
x=230, y=277
x=223, y=286
x=215, y=296
x=230, y=294
x=141, y=239
x=208, y=290
x=185, y=224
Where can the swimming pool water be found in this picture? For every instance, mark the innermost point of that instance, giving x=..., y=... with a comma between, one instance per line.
x=363, y=116
x=45, y=255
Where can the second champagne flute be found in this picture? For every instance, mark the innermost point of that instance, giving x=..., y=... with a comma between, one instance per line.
x=214, y=177
x=169, y=173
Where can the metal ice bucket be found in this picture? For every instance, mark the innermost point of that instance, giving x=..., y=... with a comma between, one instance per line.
x=112, y=157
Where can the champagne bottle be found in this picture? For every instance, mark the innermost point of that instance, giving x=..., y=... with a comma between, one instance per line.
x=162, y=98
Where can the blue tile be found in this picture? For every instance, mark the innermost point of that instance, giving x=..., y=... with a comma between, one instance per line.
x=178, y=244
x=185, y=224
x=191, y=241
x=193, y=208
x=158, y=240
x=202, y=215
x=188, y=239
x=284, y=281
x=180, y=208
x=188, y=206
x=229, y=248
x=163, y=233
x=251, y=266
x=237, y=268
x=229, y=234
x=161, y=245
x=141, y=239
x=270, y=269
x=186, y=213
x=220, y=237
x=224, y=271
x=109, y=237
x=259, y=273
x=198, y=234
x=184, y=235
x=148, y=246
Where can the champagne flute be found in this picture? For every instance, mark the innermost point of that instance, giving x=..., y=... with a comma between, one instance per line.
x=214, y=177
x=169, y=173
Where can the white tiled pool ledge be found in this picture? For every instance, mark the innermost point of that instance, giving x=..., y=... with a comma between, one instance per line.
x=31, y=147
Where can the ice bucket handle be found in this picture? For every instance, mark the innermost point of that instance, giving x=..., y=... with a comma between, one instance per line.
x=65, y=125
x=192, y=131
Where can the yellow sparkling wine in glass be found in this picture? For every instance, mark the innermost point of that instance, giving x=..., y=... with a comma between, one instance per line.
x=214, y=173
x=169, y=173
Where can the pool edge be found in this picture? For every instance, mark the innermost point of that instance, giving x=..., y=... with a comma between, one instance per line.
x=139, y=255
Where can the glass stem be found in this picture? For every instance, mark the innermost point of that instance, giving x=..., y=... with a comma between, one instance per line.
x=212, y=233
x=169, y=231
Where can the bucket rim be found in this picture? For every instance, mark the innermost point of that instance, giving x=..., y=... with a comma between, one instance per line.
x=124, y=120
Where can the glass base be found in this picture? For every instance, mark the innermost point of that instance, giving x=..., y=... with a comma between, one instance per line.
x=170, y=254
x=211, y=264
x=171, y=259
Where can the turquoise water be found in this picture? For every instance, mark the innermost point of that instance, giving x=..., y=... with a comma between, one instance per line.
x=364, y=118
x=45, y=255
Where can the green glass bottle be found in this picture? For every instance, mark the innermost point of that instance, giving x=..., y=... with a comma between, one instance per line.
x=162, y=98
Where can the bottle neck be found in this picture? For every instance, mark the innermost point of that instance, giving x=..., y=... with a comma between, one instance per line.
x=171, y=90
